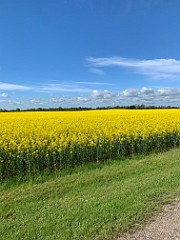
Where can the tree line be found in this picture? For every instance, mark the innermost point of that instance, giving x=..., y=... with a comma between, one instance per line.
x=142, y=106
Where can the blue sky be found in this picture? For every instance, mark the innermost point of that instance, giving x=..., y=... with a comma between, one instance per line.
x=89, y=53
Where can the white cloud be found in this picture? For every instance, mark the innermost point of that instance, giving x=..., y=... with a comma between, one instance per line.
x=97, y=71
x=57, y=100
x=35, y=101
x=130, y=93
x=94, y=83
x=148, y=96
x=146, y=90
x=103, y=98
x=8, y=86
x=154, y=68
x=10, y=103
x=96, y=94
x=64, y=88
x=168, y=92
x=162, y=96
x=83, y=99
x=4, y=95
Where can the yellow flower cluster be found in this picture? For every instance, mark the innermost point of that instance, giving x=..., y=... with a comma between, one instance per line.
x=55, y=139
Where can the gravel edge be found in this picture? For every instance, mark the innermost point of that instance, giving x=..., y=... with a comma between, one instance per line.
x=165, y=226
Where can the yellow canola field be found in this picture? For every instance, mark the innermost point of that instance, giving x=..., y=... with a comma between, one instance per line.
x=56, y=137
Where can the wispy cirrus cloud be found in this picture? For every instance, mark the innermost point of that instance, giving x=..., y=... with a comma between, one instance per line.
x=53, y=86
x=79, y=86
x=97, y=71
x=95, y=83
x=63, y=88
x=9, y=86
x=153, y=68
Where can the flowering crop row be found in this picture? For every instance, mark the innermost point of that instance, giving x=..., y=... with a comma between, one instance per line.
x=31, y=142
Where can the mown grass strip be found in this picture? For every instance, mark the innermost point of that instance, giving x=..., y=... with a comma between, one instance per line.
x=91, y=203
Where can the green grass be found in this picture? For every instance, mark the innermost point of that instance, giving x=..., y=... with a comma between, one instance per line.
x=90, y=202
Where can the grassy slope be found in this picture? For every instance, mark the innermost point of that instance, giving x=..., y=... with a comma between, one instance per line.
x=91, y=203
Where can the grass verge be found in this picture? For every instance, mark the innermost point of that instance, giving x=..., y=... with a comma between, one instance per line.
x=93, y=202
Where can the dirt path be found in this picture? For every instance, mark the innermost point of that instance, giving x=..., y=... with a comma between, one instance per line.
x=166, y=226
